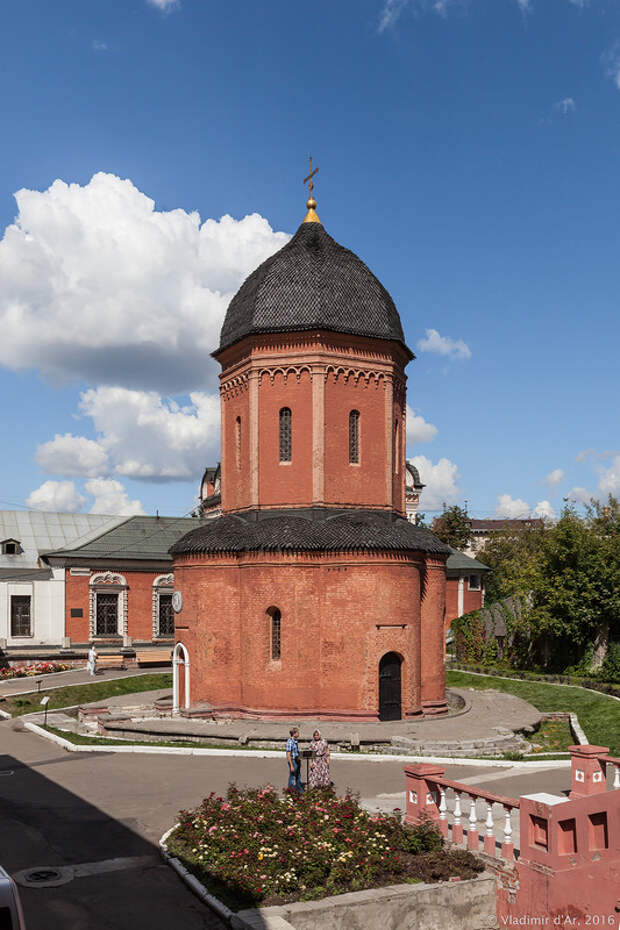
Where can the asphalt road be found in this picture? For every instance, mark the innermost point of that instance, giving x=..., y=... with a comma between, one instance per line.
x=59, y=808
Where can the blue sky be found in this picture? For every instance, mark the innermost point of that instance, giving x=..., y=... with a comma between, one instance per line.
x=468, y=152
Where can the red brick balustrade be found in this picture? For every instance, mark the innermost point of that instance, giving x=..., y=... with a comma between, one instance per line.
x=568, y=870
x=426, y=798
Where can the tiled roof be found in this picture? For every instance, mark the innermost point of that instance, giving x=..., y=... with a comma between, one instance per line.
x=319, y=529
x=312, y=283
x=135, y=538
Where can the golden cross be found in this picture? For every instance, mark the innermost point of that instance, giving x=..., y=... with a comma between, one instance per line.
x=311, y=177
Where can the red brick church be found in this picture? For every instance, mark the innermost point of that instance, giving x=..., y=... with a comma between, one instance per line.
x=312, y=594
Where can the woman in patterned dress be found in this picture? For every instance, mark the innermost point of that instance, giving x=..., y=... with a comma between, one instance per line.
x=319, y=766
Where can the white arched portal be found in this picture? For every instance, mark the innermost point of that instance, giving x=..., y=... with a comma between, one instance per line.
x=180, y=656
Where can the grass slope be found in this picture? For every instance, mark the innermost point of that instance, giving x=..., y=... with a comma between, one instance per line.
x=598, y=715
x=84, y=694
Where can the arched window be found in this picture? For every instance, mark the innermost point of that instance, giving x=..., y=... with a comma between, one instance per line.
x=108, y=604
x=163, y=614
x=238, y=441
x=354, y=437
x=286, y=438
x=275, y=625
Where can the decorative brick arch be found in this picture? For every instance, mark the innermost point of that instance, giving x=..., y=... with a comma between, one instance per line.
x=106, y=583
x=162, y=584
x=180, y=656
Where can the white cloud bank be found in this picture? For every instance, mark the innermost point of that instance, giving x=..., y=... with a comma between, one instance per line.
x=440, y=479
x=141, y=435
x=443, y=345
x=99, y=286
x=111, y=497
x=510, y=508
x=553, y=478
x=165, y=5
x=61, y=496
x=418, y=429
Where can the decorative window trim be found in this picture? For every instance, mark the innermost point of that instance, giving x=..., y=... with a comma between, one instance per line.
x=104, y=583
x=163, y=584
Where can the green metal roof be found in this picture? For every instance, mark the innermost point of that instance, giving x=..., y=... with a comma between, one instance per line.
x=459, y=562
x=135, y=538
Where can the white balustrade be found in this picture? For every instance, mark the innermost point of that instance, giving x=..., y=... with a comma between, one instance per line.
x=457, y=809
x=508, y=825
x=616, y=783
x=489, y=821
x=443, y=807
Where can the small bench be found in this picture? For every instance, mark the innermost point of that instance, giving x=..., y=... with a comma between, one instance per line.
x=154, y=656
x=110, y=662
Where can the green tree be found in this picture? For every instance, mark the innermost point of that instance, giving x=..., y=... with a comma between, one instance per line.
x=453, y=527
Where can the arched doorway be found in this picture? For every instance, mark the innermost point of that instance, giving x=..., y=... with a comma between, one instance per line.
x=180, y=656
x=390, y=687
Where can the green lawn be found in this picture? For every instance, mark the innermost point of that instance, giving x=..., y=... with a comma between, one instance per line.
x=84, y=694
x=598, y=715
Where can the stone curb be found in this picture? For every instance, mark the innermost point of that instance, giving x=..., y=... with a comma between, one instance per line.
x=277, y=754
x=192, y=882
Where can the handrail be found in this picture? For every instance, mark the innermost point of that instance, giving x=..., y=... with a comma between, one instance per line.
x=504, y=800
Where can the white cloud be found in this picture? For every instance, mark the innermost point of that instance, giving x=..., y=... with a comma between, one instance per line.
x=440, y=479
x=165, y=5
x=443, y=345
x=60, y=496
x=565, y=106
x=611, y=63
x=418, y=429
x=580, y=495
x=141, y=435
x=72, y=455
x=525, y=5
x=584, y=454
x=511, y=508
x=544, y=509
x=553, y=478
x=99, y=46
x=99, y=286
x=111, y=497
x=390, y=13
x=609, y=482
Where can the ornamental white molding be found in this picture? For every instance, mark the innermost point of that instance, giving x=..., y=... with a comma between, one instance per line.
x=162, y=584
x=104, y=582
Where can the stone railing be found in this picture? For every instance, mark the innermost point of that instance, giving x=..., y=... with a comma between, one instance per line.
x=432, y=796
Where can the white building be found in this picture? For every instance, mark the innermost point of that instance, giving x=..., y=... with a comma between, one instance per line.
x=32, y=595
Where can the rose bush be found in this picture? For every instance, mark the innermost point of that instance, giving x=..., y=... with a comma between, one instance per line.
x=27, y=671
x=261, y=846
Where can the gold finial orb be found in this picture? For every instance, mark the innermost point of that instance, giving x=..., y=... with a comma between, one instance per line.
x=311, y=216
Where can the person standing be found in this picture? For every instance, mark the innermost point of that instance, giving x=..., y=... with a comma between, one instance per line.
x=319, y=766
x=294, y=761
x=91, y=664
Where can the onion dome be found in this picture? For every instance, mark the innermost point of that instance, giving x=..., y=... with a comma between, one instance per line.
x=312, y=283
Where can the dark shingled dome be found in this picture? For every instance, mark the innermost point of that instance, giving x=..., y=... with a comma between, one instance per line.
x=318, y=529
x=312, y=283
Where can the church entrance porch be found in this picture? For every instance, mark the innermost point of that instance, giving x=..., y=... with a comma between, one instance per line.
x=390, y=690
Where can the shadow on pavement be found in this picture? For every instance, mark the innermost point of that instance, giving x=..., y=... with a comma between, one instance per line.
x=42, y=824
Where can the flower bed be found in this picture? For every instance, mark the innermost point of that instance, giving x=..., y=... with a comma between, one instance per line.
x=28, y=671
x=257, y=846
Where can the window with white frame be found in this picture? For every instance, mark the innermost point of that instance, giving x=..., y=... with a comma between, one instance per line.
x=163, y=614
x=21, y=615
x=108, y=604
x=474, y=583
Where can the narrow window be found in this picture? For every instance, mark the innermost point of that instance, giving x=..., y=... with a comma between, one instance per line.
x=276, y=619
x=107, y=615
x=354, y=437
x=238, y=441
x=166, y=615
x=20, y=615
x=396, y=446
x=474, y=583
x=286, y=443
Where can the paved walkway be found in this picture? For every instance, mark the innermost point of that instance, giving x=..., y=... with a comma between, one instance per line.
x=77, y=676
x=489, y=715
